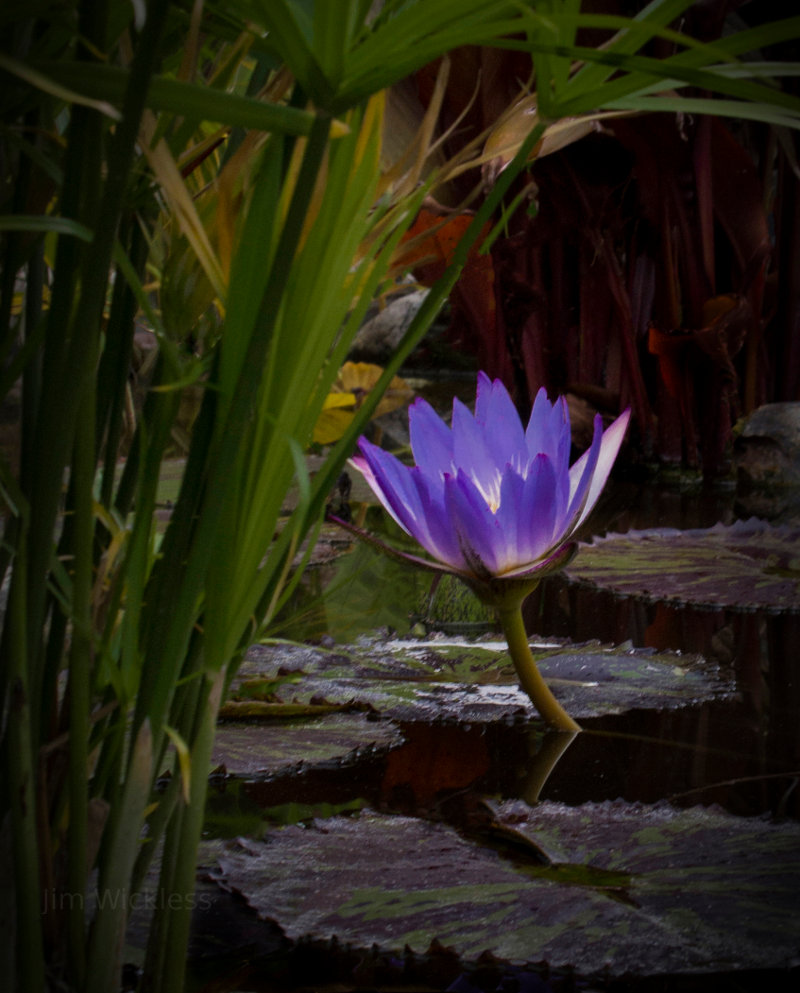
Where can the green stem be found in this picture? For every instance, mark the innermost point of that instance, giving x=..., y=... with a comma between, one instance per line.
x=107, y=937
x=80, y=666
x=21, y=786
x=529, y=676
x=169, y=938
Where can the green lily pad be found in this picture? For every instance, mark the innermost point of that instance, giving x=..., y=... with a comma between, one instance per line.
x=249, y=750
x=749, y=565
x=630, y=888
x=470, y=682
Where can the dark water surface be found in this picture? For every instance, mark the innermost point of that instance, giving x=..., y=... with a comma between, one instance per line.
x=741, y=752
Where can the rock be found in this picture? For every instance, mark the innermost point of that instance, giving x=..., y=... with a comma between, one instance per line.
x=768, y=447
x=378, y=337
x=767, y=453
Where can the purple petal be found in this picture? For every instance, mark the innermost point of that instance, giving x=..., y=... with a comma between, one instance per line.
x=548, y=431
x=580, y=478
x=389, y=550
x=471, y=455
x=431, y=440
x=556, y=560
x=439, y=537
x=537, y=430
x=483, y=397
x=502, y=428
x=539, y=510
x=410, y=498
x=609, y=449
x=509, y=516
x=476, y=528
x=562, y=432
x=391, y=482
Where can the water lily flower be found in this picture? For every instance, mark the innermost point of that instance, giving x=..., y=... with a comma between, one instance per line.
x=487, y=498
x=491, y=501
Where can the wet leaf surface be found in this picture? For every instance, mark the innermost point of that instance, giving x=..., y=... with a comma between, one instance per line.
x=749, y=565
x=467, y=681
x=632, y=888
x=257, y=749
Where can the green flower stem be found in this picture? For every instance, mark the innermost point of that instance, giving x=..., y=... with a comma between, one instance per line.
x=529, y=676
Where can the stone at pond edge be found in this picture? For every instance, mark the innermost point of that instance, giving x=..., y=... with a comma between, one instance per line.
x=768, y=447
x=643, y=890
x=378, y=338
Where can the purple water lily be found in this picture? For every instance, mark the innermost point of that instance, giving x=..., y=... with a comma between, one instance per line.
x=489, y=499
x=495, y=503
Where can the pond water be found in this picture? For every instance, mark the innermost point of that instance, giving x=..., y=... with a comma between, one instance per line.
x=749, y=746
x=733, y=751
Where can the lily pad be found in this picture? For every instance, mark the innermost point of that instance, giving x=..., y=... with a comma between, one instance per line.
x=276, y=748
x=469, y=682
x=632, y=889
x=749, y=565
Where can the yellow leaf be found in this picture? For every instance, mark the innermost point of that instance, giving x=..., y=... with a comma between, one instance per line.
x=331, y=425
x=182, y=205
x=359, y=378
x=339, y=400
x=354, y=381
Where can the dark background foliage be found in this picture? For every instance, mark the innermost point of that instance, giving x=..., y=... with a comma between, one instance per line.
x=656, y=265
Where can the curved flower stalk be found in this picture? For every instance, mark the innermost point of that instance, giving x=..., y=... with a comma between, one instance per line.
x=495, y=503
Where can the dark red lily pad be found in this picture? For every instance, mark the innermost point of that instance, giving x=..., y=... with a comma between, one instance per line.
x=746, y=566
x=628, y=889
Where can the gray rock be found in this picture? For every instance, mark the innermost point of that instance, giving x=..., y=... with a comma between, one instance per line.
x=379, y=336
x=768, y=446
